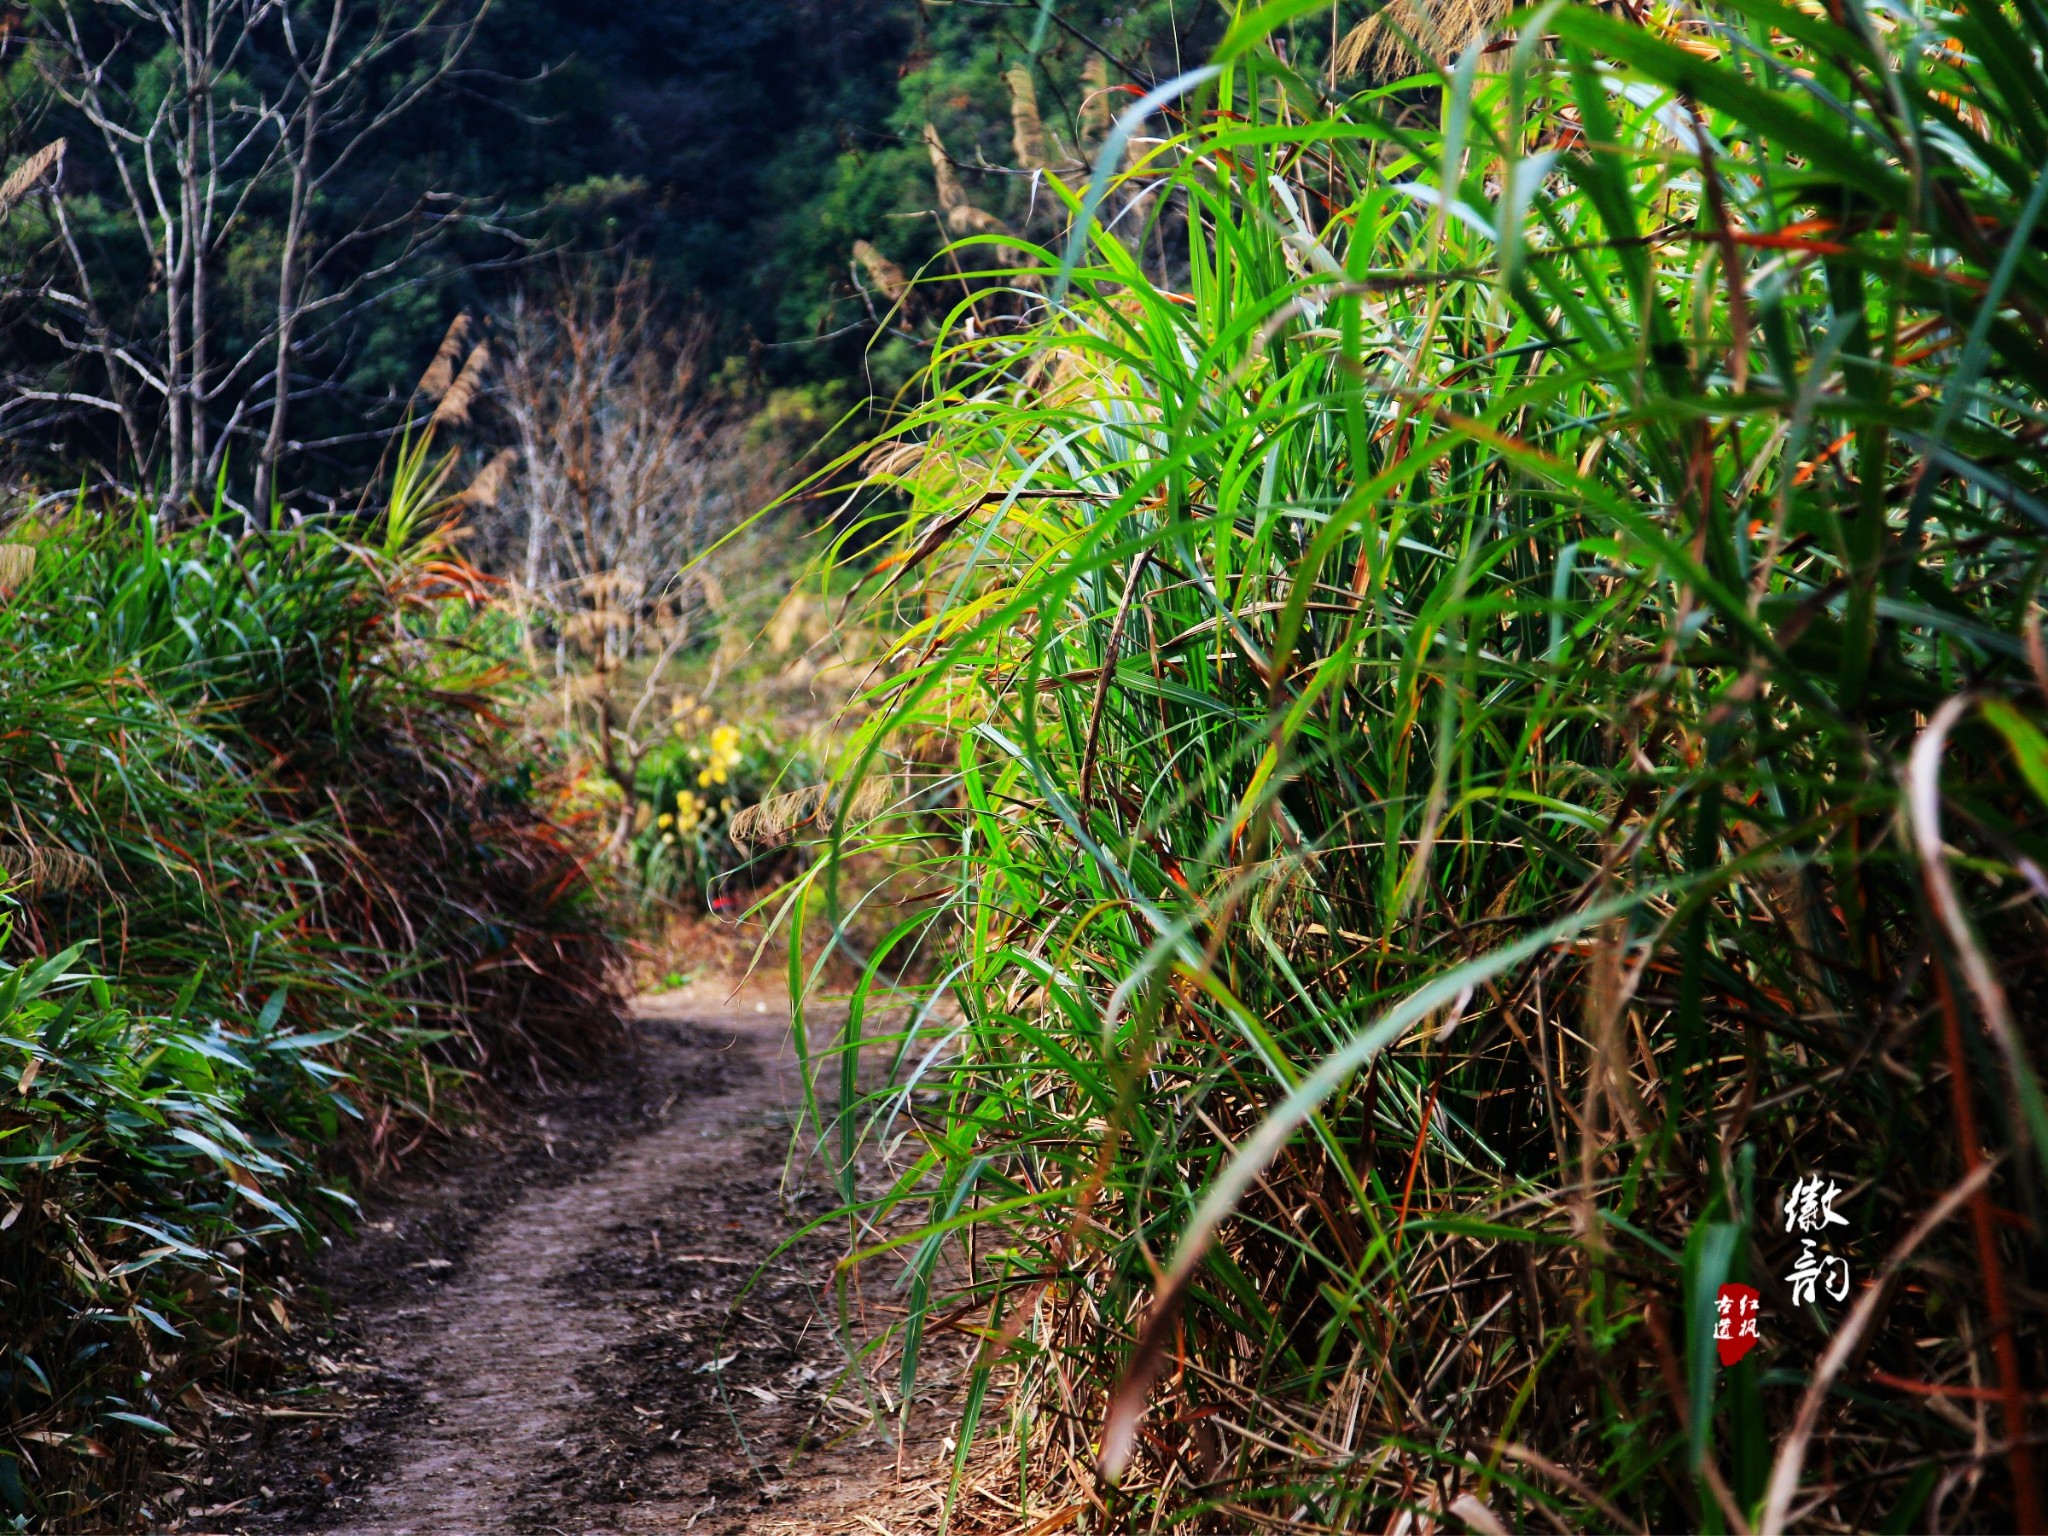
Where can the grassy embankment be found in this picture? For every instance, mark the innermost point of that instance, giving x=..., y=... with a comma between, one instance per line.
x=1472, y=729
x=283, y=892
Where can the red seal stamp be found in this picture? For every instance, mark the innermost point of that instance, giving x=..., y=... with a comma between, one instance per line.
x=1735, y=1322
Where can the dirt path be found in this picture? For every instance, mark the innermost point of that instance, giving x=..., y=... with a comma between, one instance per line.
x=594, y=1334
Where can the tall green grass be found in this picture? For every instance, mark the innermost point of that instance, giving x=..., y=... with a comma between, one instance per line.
x=1466, y=729
x=280, y=892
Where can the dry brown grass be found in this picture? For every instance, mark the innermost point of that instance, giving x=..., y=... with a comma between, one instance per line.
x=1027, y=128
x=489, y=483
x=453, y=411
x=881, y=271
x=1408, y=34
x=440, y=372
x=772, y=821
x=1095, y=102
x=33, y=868
x=17, y=563
x=28, y=173
x=961, y=215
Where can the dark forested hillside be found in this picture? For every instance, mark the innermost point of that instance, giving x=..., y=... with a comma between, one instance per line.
x=698, y=135
x=744, y=150
x=738, y=153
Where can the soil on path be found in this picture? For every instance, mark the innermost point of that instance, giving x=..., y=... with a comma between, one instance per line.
x=598, y=1323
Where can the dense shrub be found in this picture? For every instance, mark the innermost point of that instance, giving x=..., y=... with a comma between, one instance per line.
x=1496, y=709
x=694, y=788
x=282, y=888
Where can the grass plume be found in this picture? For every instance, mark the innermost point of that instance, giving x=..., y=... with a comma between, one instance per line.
x=1027, y=129
x=881, y=271
x=440, y=374
x=25, y=176
x=453, y=410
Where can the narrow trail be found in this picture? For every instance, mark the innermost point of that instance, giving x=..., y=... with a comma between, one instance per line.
x=554, y=1338
x=501, y=1351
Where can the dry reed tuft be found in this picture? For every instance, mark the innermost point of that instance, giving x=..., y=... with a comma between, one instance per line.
x=440, y=372
x=489, y=483
x=17, y=563
x=961, y=216
x=453, y=411
x=775, y=819
x=881, y=271
x=951, y=193
x=35, y=868
x=966, y=219
x=1027, y=128
x=1095, y=112
x=1389, y=42
x=28, y=173
x=898, y=458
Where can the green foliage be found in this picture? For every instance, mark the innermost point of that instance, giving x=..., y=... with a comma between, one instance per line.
x=134, y=1149
x=1473, y=723
x=693, y=786
x=279, y=890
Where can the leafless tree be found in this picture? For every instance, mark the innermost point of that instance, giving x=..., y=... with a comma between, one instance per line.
x=630, y=469
x=204, y=110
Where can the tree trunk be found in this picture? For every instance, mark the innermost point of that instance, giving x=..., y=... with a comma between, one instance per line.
x=198, y=110
x=287, y=325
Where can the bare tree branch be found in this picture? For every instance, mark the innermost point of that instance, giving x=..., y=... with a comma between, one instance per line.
x=200, y=113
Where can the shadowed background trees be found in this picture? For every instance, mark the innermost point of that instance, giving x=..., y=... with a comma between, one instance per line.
x=268, y=210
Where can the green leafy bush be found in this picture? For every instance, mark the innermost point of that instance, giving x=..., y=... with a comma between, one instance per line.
x=695, y=785
x=281, y=888
x=134, y=1149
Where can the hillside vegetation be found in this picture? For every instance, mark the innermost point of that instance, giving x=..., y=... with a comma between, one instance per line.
x=281, y=897
x=249, y=288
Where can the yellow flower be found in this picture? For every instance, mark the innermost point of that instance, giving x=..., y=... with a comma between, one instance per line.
x=725, y=756
x=664, y=820
x=689, y=812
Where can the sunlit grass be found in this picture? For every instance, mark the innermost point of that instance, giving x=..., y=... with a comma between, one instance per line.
x=1408, y=712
